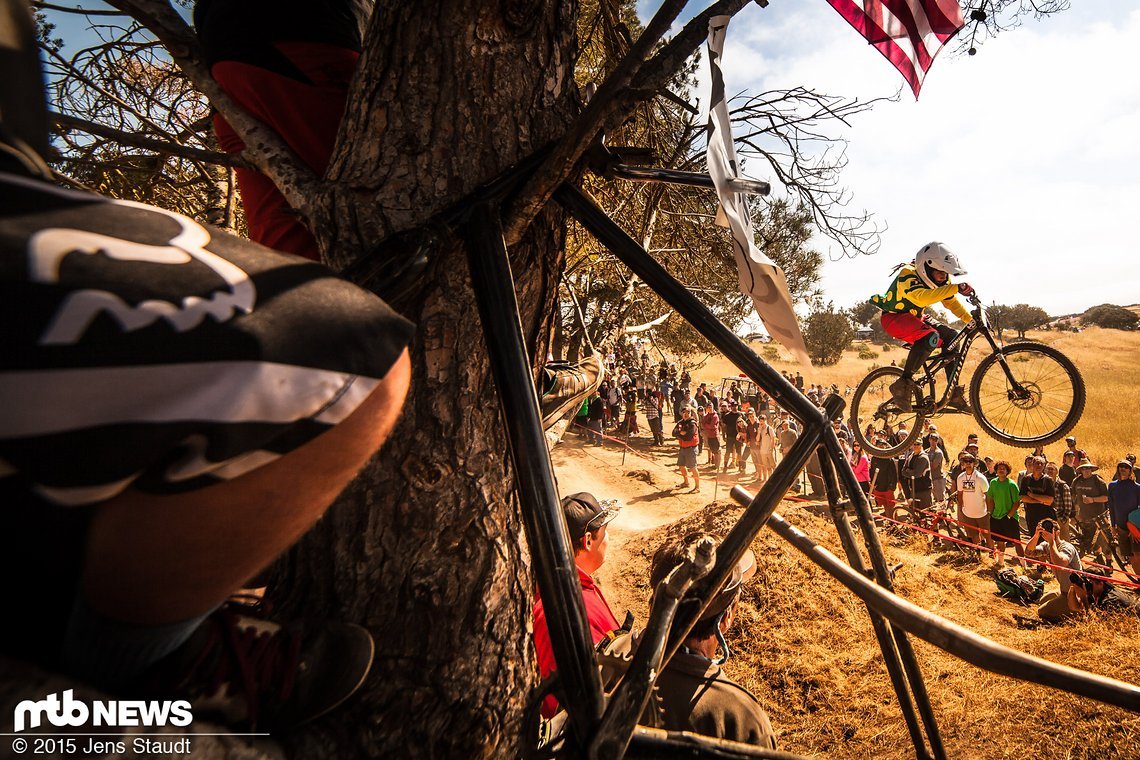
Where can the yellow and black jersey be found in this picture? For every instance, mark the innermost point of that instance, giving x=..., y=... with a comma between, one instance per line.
x=910, y=295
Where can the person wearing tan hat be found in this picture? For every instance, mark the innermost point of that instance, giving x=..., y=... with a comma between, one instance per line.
x=586, y=520
x=692, y=693
x=1090, y=493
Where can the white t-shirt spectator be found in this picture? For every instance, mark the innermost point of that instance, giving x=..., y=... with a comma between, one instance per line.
x=973, y=489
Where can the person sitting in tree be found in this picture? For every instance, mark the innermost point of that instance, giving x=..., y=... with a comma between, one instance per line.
x=916, y=287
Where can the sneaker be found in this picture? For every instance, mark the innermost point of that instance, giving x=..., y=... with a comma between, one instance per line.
x=901, y=392
x=958, y=402
x=255, y=674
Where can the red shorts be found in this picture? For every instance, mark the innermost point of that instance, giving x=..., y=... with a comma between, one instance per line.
x=906, y=327
x=883, y=498
x=307, y=116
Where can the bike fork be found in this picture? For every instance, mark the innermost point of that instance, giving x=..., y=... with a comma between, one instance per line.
x=1016, y=387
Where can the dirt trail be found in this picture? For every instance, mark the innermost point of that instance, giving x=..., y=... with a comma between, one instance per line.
x=644, y=482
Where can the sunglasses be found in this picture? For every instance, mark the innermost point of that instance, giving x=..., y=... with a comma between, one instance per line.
x=598, y=520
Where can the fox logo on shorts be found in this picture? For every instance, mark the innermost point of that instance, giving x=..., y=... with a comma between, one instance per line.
x=224, y=290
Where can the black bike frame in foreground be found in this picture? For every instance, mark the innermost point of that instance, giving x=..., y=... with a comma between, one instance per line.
x=600, y=729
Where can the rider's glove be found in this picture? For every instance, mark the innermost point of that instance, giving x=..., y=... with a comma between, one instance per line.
x=965, y=289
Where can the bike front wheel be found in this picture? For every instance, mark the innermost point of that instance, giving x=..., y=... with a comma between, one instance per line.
x=876, y=421
x=1041, y=404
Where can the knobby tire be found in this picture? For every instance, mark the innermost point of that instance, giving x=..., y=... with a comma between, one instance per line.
x=1048, y=416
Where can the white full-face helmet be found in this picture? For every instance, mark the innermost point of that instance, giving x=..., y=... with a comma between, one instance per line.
x=936, y=256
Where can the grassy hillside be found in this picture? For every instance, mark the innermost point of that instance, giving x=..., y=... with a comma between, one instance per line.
x=1109, y=361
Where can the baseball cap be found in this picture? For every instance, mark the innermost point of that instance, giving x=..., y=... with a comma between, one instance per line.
x=673, y=553
x=585, y=514
x=1125, y=463
x=1071, y=439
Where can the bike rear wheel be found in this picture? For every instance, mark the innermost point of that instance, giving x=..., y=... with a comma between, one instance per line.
x=1045, y=403
x=873, y=408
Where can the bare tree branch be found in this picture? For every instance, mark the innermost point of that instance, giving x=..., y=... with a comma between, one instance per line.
x=138, y=141
x=264, y=148
x=601, y=108
x=75, y=9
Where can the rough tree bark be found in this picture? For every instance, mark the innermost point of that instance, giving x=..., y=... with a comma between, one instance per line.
x=427, y=547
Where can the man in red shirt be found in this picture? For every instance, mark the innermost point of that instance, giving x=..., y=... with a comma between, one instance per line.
x=586, y=520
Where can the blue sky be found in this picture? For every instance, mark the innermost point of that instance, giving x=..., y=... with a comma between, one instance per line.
x=1024, y=159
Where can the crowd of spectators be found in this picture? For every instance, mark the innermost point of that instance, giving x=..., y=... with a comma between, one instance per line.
x=1047, y=512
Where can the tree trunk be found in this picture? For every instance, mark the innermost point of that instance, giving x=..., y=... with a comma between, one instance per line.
x=426, y=548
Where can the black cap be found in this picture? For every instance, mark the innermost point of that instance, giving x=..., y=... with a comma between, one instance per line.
x=585, y=514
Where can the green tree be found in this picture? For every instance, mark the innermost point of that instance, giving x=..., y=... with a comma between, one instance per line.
x=998, y=318
x=863, y=313
x=1111, y=316
x=828, y=334
x=1024, y=317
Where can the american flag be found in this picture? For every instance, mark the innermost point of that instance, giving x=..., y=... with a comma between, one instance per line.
x=908, y=32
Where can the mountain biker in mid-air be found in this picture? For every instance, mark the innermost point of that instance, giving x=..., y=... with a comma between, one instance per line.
x=917, y=286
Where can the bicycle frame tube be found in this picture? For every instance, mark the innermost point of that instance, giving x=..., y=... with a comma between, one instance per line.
x=545, y=525
x=960, y=345
x=951, y=637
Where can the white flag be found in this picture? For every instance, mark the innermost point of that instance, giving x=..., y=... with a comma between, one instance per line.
x=760, y=277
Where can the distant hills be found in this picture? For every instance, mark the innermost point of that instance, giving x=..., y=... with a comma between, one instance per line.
x=1065, y=319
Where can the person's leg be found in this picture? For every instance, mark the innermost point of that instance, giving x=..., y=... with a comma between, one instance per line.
x=1054, y=607
x=967, y=525
x=1032, y=517
x=1128, y=547
x=153, y=560
x=984, y=525
x=923, y=339
x=696, y=478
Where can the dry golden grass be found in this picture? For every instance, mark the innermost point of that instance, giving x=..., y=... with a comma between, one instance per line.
x=805, y=647
x=1109, y=361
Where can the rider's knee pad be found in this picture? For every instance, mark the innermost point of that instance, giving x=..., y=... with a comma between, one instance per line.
x=934, y=340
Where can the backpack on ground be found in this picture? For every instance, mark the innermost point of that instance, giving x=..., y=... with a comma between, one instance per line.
x=1019, y=588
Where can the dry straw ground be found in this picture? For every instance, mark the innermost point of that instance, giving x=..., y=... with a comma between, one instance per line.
x=805, y=646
